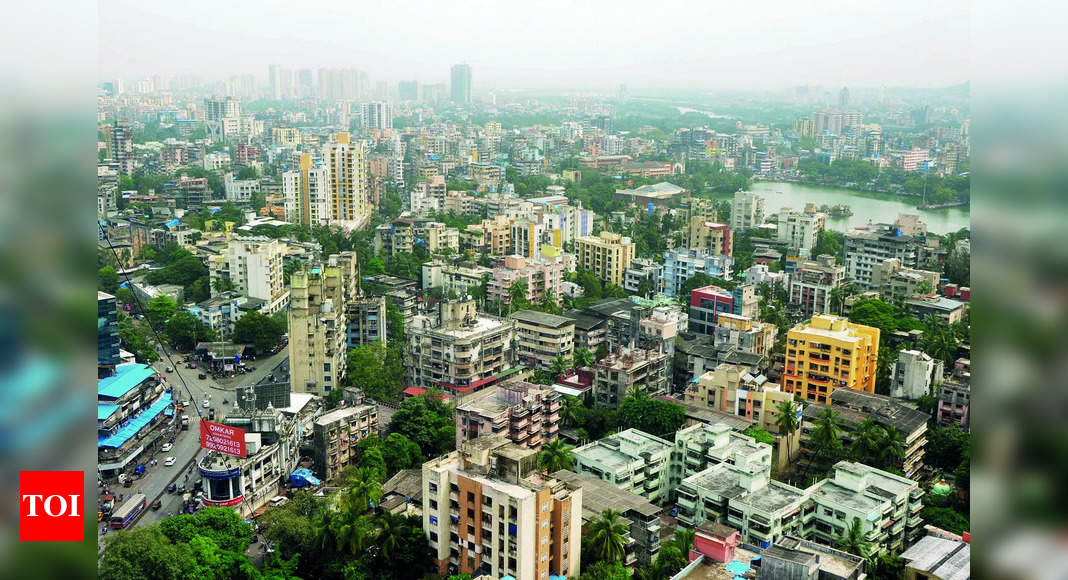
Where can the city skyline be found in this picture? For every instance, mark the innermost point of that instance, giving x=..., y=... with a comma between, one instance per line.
x=900, y=45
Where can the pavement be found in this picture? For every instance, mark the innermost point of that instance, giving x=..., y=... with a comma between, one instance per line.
x=186, y=448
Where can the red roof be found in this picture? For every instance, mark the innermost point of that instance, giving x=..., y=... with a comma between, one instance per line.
x=414, y=391
x=483, y=382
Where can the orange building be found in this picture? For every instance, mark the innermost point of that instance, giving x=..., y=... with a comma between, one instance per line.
x=828, y=353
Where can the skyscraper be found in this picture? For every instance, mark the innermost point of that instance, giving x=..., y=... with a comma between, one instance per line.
x=461, y=84
x=843, y=99
x=274, y=81
x=377, y=115
x=408, y=90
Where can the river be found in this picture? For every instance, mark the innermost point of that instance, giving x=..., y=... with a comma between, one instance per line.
x=876, y=207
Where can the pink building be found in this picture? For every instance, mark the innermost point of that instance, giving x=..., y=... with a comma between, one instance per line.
x=540, y=276
x=717, y=542
x=706, y=304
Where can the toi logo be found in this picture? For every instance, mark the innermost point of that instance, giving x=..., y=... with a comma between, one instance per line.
x=51, y=506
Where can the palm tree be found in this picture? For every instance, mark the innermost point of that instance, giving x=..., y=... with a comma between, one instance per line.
x=570, y=411
x=855, y=541
x=837, y=299
x=583, y=357
x=560, y=365
x=684, y=538
x=607, y=534
x=555, y=455
x=351, y=531
x=362, y=491
x=391, y=534
x=867, y=438
x=891, y=448
x=786, y=422
x=637, y=393
x=827, y=432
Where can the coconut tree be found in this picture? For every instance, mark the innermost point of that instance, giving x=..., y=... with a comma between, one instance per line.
x=854, y=540
x=891, y=450
x=786, y=422
x=583, y=357
x=684, y=538
x=572, y=411
x=607, y=536
x=827, y=432
x=867, y=439
x=555, y=455
x=560, y=365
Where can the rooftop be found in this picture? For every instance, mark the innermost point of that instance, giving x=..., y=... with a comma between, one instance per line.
x=342, y=413
x=941, y=557
x=598, y=495
x=832, y=561
x=936, y=302
x=774, y=497
x=884, y=410
x=407, y=482
x=126, y=378
x=541, y=318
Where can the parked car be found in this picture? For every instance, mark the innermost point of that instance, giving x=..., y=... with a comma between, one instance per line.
x=166, y=447
x=169, y=461
x=185, y=403
x=181, y=488
x=211, y=416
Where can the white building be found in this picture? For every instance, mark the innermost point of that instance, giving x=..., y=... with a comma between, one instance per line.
x=800, y=230
x=914, y=375
x=306, y=191
x=747, y=210
x=255, y=266
x=217, y=161
x=377, y=115
x=240, y=190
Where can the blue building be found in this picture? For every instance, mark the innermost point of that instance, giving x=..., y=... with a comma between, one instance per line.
x=107, y=335
x=681, y=265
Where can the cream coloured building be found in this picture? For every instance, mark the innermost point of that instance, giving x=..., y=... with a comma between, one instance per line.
x=607, y=255
x=255, y=268
x=318, y=332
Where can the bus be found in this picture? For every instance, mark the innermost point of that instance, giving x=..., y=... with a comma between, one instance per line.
x=125, y=515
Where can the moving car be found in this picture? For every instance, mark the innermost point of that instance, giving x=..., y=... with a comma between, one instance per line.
x=156, y=505
x=166, y=447
x=206, y=404
x=170, y=369
x=171, y=488
x=202, y=376
x=169, y=461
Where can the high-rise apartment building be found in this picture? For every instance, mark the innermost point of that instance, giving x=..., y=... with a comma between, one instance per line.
x=119, y=141
x=914, y=375
x=377, y=115
x=317, y=324
x=107, y=335
x=811, y=287
x=306, y=191
x=350, y=199
x=801, y=230
x=827, y=353
x=710, y=236
x=335, y=434
x=487, y=510
x=255, y=268
x=408, y=90
x=459, y=349
x=683, y=264
x=747, y=210
x=460, y=88
x=607, y=255
x=626, y=369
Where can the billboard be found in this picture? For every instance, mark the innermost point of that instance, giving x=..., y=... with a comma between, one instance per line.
x=222, y=438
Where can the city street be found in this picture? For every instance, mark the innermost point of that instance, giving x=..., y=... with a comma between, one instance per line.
x=187, y=443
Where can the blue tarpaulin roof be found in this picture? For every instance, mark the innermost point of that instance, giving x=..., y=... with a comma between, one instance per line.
x=104, y=411
x=302, y=477
x=134, y=426
x=738, y=568
x=172, y=223
x=126, y=378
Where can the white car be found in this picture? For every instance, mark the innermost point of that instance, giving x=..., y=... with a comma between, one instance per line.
x=206, y=404
x=169, y=461
x=166, y=447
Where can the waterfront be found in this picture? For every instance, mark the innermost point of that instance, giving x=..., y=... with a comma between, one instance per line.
x=874, y=207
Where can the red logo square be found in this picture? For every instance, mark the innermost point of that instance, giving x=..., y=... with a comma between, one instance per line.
x=51, y=506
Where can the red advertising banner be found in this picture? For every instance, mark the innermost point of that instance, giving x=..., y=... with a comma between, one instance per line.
x=222, y=438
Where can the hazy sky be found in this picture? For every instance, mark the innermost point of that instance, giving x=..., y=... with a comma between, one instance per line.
x=733, y=44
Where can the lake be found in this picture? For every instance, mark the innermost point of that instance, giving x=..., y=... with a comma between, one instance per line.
x=876, y=207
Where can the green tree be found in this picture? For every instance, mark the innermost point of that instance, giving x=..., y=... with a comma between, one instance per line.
x=560, y=365
x=290, y=526
x=958, y=267
x=946, y=446
x=654, y=416
x=607, y=537
x=137, y=338
x=517, y=296
x=786, y=422
x=377, y=370
x=184, y=331
x=887, y=566
x=256, y=329
x=874, y=312
x=827, y=433
x=107, y=279
x=572, y=413
x=142, y=552
x=854, y=540
x=684, y=538
x=401, y=453
x=891, y=452
x=867, y=439
x=555, y=455
x=606, y=570
x=224, y=526
x=602, y=351
x=428, y=422
x=945, y=518
x=583, y=357
x=159, y=309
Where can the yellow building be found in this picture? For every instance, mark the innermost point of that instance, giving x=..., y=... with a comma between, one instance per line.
x=607, y=256
x=350, y=200
x=829, y=353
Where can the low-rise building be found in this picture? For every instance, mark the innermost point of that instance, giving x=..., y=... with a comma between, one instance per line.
x=626, y=369
x=938, y=558
x=335, y=434
x=948, y=310
x=744, y=334
x=487, y=510
x=731, y=389
x=854, y=407
x=795, y=559
x=366, y=320
x=954, y=398
x=892, y=280
x=630, y=460
x=131, y=417
x=541, y=276
x=706, y=304
x=641, y=516
x=914, y=375
x=681, y=265
x=640, y=270
x=525, y=413
x=541, y=337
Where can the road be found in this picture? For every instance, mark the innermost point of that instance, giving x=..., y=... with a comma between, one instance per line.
x=186, y=448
